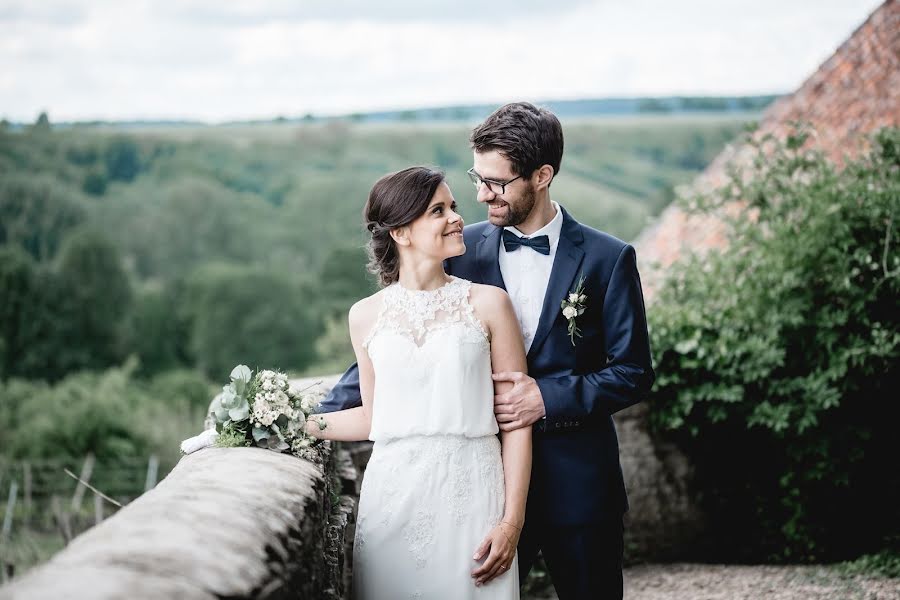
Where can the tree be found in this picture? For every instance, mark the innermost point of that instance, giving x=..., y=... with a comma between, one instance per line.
x=99, y=297
x=37, y=214
x=17, y=293
x=343, y=280
x=247, y=315
x=122, y=159
x=777, y=357
x=94, y=183
x=42, y=124
x=158, y=329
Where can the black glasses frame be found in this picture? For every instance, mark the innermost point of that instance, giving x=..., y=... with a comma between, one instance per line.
x=478, y=181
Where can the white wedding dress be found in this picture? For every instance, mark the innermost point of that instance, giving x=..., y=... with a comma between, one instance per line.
x=434, y=486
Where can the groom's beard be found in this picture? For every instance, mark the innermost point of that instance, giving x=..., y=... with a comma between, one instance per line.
x=519, y=211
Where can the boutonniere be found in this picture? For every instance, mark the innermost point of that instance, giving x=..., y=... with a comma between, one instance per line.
x=573, y=306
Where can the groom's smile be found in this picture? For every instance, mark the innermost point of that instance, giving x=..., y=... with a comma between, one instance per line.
x=497, y=209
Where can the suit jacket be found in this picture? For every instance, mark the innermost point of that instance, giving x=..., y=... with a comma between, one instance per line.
x=576, y=475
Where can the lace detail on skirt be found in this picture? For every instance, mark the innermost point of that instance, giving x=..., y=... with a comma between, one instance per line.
x=428, y=489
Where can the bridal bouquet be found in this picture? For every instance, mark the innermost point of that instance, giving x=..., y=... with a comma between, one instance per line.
x=262, y=410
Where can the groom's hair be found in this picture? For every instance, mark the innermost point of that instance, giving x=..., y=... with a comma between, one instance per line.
x=397, y=199
x=527, y=135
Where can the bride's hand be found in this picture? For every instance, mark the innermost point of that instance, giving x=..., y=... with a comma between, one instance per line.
x=501, y=542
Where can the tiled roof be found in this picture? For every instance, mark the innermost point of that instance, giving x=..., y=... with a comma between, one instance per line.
x=852, y=94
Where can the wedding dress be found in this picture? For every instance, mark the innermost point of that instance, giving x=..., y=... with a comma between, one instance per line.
x=434, y=485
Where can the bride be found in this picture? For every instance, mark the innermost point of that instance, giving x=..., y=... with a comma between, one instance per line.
x=443, y=499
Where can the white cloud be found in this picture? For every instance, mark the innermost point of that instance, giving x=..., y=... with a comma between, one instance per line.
x=145, y=59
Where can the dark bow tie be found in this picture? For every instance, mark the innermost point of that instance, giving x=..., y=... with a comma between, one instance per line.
x=512, y=242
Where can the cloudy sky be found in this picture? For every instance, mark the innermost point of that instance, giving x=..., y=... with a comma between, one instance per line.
x=218, y=60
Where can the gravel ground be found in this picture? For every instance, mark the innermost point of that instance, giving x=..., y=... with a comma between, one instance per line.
x=721, y=582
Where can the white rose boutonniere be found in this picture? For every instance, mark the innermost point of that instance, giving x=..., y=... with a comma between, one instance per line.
x=573, y=306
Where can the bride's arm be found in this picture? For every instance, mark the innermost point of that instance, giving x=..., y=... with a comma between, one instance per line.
x=507, y=354
x=353, y=424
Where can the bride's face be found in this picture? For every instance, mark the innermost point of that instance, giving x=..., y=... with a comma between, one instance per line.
x=438, y=232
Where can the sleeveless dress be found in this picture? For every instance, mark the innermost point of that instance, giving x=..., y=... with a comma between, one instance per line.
x=434, y=485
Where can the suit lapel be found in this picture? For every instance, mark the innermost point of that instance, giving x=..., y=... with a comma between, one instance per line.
x=568, y=259
x=487, y=257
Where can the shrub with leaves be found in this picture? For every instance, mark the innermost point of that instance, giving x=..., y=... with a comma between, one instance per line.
x=777, y=356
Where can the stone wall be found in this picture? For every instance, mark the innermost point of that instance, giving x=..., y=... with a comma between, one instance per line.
x=225, y=523
x=664, y=522
x=241, y=523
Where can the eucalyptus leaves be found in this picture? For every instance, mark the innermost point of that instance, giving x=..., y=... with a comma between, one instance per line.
x=263, y=410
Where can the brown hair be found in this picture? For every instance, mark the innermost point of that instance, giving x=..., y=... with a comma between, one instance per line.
x=527, y=135
x=397, y=199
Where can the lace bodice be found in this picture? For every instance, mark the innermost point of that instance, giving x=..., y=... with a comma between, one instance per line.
x=432, y=364
x=417, y=313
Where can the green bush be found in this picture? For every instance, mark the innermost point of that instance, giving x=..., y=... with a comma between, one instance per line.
x=110, y=414
x=883, y=564
x=777, y=357
x=250, y=316
x=183, y=388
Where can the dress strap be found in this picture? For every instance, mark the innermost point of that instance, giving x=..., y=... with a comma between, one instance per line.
x=379, y=321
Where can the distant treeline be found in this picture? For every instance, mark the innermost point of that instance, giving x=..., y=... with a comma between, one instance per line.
x=201, y=248
x=476, y=112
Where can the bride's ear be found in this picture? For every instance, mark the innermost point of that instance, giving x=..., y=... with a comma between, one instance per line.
x=400, y=236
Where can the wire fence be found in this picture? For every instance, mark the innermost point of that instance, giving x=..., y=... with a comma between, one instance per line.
x=67, y=496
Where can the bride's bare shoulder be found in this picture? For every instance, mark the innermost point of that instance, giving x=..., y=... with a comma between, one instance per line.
x=487, y=299
x=364, y=313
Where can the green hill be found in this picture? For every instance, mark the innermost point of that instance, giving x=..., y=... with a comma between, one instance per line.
x=191, y=212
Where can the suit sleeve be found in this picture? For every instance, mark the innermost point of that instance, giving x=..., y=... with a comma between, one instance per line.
x=628, y=375
x=345, y=393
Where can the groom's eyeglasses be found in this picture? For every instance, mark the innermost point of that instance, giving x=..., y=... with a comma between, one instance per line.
x=496, y=187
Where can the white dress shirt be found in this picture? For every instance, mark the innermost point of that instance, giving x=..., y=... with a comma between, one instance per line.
x=526, y=274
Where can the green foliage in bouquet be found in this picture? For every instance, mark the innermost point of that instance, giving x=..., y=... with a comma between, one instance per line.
x=777, y=356
x=262, y=410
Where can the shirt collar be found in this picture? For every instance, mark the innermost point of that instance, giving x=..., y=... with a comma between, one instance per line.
x=553, y=229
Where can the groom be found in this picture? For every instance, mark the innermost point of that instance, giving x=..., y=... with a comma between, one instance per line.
x=538, y=253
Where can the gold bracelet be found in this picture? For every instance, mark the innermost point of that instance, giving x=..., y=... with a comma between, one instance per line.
x=511, y=525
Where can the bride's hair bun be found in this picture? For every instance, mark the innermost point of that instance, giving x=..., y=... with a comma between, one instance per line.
x=397, y=199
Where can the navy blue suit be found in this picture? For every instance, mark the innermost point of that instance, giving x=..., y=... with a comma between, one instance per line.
x=577, y=492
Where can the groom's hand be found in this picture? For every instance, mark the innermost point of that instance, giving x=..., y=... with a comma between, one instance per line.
x=521, y=406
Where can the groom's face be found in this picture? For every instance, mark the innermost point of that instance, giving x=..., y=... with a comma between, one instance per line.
x=512, y=205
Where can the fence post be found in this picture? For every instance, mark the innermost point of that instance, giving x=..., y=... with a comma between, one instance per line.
x=152, y=469
x=10, y=507
x=86, y=470
x=98, y=509
x=61, y=518
x=26, y=477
